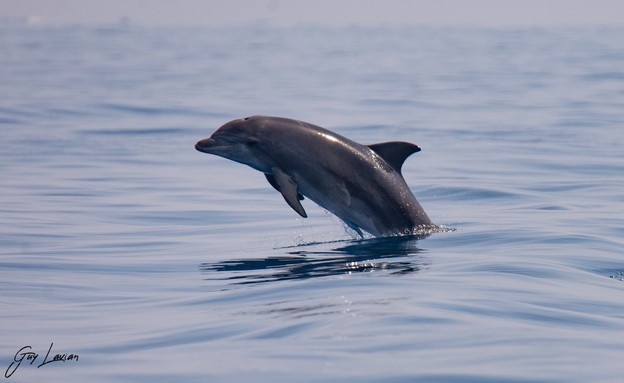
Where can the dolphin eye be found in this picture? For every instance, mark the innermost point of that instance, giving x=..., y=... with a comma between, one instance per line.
x=252, y=142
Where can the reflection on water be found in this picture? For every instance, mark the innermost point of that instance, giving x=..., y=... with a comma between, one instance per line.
x=396, y=255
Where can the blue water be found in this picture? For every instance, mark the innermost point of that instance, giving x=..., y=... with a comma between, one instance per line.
x=153, y=262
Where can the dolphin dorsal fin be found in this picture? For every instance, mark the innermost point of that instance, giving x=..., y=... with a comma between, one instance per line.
x=395, y=152
x=284, y=183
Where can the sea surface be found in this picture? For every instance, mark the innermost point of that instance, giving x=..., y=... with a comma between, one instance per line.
x=136, y=258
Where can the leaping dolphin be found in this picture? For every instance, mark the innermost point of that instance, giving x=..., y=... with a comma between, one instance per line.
x=362, y=185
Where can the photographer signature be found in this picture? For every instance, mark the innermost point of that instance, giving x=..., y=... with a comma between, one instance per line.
x=26, y=355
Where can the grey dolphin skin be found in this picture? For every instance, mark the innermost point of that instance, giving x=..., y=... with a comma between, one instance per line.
x=362, y=185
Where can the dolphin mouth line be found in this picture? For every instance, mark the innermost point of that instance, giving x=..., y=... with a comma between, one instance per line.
x=205, y=145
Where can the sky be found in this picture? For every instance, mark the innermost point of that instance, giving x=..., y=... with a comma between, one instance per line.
x=329, y=12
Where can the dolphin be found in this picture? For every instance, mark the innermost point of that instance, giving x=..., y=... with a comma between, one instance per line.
x=360, y=184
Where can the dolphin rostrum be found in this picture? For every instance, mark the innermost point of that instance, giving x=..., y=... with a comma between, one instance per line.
x=362, y=185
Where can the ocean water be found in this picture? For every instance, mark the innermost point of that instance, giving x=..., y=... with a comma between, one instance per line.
x=138, y=259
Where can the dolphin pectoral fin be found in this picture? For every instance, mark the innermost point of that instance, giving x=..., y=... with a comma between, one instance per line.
x=395, y=153
x=288, y=187
x=273, y=183
x=271, y=180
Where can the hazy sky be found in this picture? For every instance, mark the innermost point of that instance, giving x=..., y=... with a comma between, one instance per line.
x=343, y=12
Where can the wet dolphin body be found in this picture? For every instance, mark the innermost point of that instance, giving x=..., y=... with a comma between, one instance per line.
x=362, y=185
